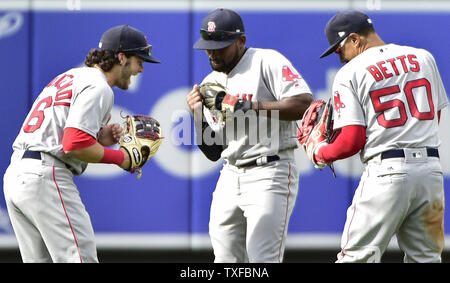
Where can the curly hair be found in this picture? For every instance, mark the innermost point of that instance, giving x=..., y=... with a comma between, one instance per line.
x=106, y=59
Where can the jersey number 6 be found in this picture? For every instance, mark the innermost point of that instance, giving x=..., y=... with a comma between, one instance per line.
x=381, y=107
x=39, y=114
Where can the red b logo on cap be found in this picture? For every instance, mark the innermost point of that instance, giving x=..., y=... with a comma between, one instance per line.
x=211, y=26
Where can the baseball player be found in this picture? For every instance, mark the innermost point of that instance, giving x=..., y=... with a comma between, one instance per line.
x=66, y=128
x=387, y=102
x=257, y=188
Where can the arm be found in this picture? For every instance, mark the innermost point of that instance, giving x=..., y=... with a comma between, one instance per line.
x=291, y=108
x=349, y=141
x=194, y=101
x=84, y=147
x=212, y=152
x=282, y=79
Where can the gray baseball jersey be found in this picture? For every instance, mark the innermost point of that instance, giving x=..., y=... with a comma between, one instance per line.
x=86, y=93
x=403, y=84
x=268, y=76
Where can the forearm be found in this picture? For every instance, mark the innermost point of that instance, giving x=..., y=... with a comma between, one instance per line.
x=84, y=147
x=290, y=108
x=212, y=152
x=90, y=154
x=349, y=141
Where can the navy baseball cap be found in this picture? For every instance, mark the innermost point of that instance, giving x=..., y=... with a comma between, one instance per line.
x=128, y=40
x=220, y=28
x=341, y=25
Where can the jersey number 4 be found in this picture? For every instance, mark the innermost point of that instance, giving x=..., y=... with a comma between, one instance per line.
x=381, y=107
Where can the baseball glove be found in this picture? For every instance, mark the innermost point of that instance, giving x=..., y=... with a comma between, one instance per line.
x=212, y=94
x=141, y=138
x=219, y=105
x=316, y=130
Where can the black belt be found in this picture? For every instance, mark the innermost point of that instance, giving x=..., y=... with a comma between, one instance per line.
x=260, y=161
x=393, y=153
x=32, y=154
x=37, y=155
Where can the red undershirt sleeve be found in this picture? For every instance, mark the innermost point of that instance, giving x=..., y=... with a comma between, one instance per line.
x=350, y=140
x=74, y=139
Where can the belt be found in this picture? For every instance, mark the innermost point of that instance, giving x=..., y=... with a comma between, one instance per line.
x=260, y=161
x=32, y=154
x=37, y=155
x=393, y=153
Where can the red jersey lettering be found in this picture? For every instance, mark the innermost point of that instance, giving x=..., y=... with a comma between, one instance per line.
x=394, y=67
x=375, y=73
x=411, y=60
x=384, y=69
x=402, y=59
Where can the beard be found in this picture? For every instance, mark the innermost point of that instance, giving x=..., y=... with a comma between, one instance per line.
x=124, y=79
x=225, y=67
x=342, y=59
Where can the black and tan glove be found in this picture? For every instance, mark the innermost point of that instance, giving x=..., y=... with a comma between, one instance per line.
x=142, y=138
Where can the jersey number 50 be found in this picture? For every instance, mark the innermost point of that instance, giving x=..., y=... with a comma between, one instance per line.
x=381, y=107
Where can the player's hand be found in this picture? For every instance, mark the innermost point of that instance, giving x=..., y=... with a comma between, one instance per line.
x=110, y=134
x=313, y=155
x=194, y=99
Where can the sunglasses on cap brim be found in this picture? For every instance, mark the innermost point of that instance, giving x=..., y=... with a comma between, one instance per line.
x=340, y=45
x=146, y=49
x=219, y=35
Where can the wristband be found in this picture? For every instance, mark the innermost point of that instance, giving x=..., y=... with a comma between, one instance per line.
x=112, y=156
